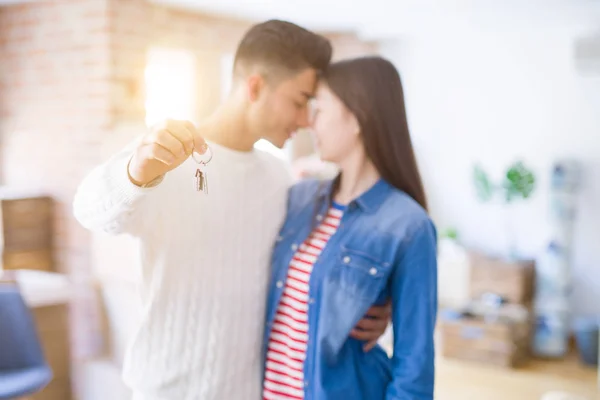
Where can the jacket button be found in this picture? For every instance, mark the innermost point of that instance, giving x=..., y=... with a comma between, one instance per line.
x=346, y=260
x=319, y=217
x=279, y=284
x=373, y=271
x=294, y=247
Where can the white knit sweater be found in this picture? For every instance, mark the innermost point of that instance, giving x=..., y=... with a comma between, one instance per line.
x=205, y=269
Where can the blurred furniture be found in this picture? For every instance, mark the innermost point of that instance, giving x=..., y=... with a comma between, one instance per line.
x=23, y=368
x=554, y=264
x=47, y=294
x=513, y=280
x=586, y=333
x=25, y=230
x=117, y=272
x=453, y=274
x=99, y=378
x=495, y=327
x=501, y=341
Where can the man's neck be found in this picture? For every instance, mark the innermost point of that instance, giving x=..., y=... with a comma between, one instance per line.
x=227, y=127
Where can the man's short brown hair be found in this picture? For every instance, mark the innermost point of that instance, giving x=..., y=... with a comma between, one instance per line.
x=281, y=49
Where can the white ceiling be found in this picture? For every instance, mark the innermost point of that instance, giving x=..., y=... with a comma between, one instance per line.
x=390, y=19
x=11, y=2
x=382, y=19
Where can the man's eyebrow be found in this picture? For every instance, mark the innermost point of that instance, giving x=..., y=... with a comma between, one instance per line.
x=307, y=95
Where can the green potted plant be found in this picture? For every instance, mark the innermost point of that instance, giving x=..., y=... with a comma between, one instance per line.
x=517, y=184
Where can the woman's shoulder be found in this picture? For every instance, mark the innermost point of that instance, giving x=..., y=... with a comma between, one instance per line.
x=399, y=200
x=404, y=216
x=305, y=190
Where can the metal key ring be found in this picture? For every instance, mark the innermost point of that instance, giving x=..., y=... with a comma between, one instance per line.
x=201, y=161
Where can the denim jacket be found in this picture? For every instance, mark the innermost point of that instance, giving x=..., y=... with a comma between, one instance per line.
x=384, y=248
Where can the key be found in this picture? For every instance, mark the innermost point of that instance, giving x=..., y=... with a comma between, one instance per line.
x=201, y=181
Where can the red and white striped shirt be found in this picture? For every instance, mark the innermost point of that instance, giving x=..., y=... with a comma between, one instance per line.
x=284, y=375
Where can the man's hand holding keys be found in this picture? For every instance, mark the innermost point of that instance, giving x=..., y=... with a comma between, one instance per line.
x=163, y=149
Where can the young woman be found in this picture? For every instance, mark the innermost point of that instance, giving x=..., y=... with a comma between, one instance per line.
x=363, y=239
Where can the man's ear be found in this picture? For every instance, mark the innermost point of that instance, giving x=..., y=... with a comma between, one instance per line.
x=256, y=84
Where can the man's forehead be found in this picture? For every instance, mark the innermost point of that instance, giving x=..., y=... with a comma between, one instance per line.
x=306, y=82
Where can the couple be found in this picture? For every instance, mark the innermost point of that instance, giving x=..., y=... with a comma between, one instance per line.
x=258, y=290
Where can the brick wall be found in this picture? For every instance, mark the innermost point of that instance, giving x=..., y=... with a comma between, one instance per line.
x=72, y=92
x=55, y=112
x=207, y=37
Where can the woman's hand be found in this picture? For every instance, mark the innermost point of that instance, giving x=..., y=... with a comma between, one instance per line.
x=373, y=325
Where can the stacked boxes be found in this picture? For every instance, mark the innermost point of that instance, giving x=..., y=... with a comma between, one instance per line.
x=26, y=231
x=495, y=327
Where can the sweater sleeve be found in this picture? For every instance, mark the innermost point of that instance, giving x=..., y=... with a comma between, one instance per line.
x=107, y=201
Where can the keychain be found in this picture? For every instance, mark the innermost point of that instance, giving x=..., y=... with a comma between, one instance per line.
x=200, y=177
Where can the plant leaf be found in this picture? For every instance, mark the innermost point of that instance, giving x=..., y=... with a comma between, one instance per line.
x=519, y=182
x=483, y=187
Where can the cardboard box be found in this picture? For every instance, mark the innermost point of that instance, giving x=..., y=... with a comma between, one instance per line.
x=26, y=231
x=498, y=341
x=41, y=260
x=512, y=280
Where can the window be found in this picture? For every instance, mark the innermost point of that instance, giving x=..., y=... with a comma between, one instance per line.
x=226, y=74
x=170, y=81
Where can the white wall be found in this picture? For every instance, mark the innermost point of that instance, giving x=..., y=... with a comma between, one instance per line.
x=492, y=98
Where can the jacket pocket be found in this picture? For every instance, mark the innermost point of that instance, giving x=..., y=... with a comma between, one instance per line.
x=359, y=274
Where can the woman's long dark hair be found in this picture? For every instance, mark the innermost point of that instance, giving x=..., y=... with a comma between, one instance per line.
x=371, y=89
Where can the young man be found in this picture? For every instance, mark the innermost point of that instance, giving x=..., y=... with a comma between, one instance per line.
x=205, y=256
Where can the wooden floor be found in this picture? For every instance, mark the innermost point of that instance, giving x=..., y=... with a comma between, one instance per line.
x=458, y=380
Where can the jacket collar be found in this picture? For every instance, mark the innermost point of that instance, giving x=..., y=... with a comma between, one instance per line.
x=369, y=201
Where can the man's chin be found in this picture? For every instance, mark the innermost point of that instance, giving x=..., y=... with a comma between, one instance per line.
x=279, y=142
